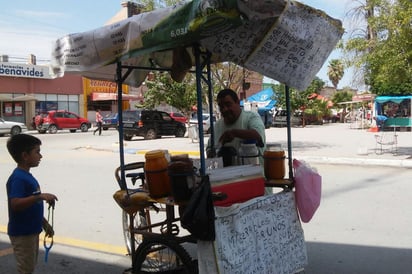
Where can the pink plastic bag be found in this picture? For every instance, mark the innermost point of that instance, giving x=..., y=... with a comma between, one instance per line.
x=308, y=188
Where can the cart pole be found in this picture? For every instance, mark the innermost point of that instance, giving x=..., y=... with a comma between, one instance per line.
x=119, y=81
x=289, y=132
x=199, y=109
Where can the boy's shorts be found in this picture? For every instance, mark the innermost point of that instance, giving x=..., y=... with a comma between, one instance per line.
x=26, y=251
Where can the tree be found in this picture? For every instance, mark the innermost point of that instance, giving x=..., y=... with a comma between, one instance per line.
x=300, y=101
x=384, y=49
x=163, y=89
x=341, y=96
x=335, y=72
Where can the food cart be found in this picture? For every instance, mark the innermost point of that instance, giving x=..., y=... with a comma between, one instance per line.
x=283, y=40
x=397, y=110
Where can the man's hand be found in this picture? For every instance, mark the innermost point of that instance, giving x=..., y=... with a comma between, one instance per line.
x=48, y=229
x=227, y=136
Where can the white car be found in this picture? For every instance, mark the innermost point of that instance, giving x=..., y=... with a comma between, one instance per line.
x=12, y=128
x=206, y=121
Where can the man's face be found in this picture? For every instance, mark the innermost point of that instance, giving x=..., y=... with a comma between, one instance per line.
x=229, y=109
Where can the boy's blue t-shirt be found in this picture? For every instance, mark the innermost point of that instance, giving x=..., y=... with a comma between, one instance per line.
x=29, y=221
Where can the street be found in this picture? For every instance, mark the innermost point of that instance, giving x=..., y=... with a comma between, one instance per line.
x=362, y=226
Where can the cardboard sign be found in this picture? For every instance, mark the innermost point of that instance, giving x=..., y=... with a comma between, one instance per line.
x=263, y=235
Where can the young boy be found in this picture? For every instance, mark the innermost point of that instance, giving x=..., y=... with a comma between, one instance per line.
x=25, y=202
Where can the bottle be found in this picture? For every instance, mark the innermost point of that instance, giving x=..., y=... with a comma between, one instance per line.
x=157, y=178
x=274, y=162
x=249, y=153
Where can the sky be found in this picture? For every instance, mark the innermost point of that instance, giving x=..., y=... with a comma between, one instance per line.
x=31, y=27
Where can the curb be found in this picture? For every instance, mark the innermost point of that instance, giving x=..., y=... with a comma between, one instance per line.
x=356, y=161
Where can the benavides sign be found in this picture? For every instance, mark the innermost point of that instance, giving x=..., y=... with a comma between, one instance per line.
x=23, y=70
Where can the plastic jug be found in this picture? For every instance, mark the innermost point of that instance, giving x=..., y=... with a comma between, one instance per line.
x=157, y=178
x=249, y=153
x=274, y=162
x=229, y=156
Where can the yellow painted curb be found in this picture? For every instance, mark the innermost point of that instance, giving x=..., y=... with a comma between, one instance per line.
x=120, y=250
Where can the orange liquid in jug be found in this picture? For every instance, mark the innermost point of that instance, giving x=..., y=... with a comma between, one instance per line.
x=157, y=178
x=274, y=164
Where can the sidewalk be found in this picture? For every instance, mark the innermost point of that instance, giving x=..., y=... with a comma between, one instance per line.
x=333, y=143
x=337, y=143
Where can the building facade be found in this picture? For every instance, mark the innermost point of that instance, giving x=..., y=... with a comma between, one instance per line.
x=29, y=89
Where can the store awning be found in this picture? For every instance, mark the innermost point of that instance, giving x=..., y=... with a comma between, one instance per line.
x=24, y=98
x=105, y=96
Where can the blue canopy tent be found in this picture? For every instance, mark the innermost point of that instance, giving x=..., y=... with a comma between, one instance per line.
x=397, y=109
x=265, y=102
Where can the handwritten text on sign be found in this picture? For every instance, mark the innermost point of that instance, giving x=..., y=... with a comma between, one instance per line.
x=263, y=235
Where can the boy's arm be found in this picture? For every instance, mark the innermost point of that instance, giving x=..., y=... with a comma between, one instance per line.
x=18, y=204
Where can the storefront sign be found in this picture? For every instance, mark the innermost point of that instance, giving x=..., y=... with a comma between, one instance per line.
x=23, y=70
x=18, y=109
x=102, y=86
x=8, y=109
x=102, y=96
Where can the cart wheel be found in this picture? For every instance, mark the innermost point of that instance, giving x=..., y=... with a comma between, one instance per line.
x=161, y=255
x=139, y=220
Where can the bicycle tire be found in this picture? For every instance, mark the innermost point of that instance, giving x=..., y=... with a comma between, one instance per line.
x=139, y=219
x=162, y=255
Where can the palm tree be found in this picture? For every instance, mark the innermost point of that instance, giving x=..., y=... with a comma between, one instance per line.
x=335, y=71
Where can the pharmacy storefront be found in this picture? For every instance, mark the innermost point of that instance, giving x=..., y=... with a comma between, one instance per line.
x=27, y=89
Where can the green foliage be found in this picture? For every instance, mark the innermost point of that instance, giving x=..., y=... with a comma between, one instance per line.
x=335, y=71
x=298, y=99
x=384, y=50
x=163, y=89
x=316, y=109
x=150, y=5
x=341, y=96
x=392, y=89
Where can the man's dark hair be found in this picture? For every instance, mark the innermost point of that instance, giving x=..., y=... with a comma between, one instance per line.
x=227, y=91
x=20, y=143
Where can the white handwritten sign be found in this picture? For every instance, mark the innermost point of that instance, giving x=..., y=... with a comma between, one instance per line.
x=290, y=48
x=263, y=235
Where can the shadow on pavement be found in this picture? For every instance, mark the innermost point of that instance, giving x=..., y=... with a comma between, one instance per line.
x=343, y=258
x=67, y=260
x=323, y=258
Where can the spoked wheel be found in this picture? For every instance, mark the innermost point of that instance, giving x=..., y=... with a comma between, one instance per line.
x=161, y=255
x=139, y=221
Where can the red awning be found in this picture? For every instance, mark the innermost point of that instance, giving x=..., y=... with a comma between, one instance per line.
x=106, y=96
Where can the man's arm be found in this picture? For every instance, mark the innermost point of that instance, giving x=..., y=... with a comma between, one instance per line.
x=245, y=134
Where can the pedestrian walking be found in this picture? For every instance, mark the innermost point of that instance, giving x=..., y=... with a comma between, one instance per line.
x=25, y=202
x=99, y=121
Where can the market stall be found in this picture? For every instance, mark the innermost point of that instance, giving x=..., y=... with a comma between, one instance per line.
x=397, y=110
x=283, y=40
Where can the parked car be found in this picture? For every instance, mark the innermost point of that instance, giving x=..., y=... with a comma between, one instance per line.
x=206, y=121
x=111, y=120
x=178, y=117
x=150, y=124
x=61, y=119
x=333, y=116
x=10, y=127
x=279, y=120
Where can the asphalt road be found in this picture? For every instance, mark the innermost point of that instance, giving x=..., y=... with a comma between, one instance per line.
x=362, y=225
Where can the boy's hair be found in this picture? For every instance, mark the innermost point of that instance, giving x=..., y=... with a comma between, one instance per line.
x=225, y=92
x=20, y=143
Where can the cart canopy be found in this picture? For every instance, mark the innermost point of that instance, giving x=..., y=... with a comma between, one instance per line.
x=283, y=40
